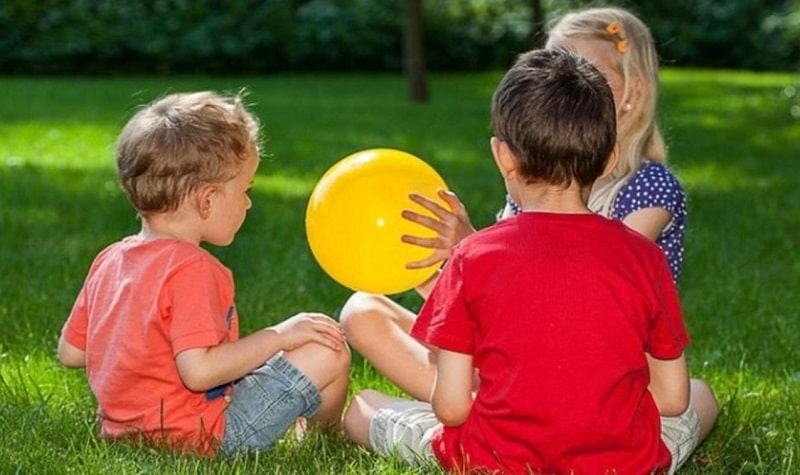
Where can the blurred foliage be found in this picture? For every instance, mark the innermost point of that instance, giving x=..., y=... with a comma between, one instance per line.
x=258, y=36
x=745, y=34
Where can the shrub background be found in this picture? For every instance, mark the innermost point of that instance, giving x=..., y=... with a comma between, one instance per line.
x=263, y=36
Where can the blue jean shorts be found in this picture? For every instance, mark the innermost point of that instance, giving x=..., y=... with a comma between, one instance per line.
x=264, y=405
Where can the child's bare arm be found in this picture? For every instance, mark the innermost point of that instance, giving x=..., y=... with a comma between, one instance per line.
x=649, y=222
x=70, y=355
x=669, y=384
x=452, y=389
x=204, y=368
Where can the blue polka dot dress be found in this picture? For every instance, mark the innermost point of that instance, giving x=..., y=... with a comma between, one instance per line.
x=655, y=186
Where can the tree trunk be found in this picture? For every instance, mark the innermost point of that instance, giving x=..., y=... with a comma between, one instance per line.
x=538, y=35
x=415, y=52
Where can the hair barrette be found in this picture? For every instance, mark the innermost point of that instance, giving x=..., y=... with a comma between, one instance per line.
x=615, y=29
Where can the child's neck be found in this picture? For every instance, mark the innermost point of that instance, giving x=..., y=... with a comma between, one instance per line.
x=165, y=226
x=554, y=199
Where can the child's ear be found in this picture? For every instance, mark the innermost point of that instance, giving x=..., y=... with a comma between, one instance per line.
x=203, y=200
x=635, y=94
x=611, y=164
x=504, y=158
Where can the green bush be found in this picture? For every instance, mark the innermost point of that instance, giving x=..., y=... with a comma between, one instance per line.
x=101, y=36
x=258, y=36
x=744, y=34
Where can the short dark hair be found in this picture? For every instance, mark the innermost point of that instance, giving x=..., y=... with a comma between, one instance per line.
x=556, y=113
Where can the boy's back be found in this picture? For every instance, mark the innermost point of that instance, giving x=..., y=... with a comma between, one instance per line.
x=557, y=311
x=130, y=302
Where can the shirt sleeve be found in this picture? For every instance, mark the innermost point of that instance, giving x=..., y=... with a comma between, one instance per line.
x=653, y=186
x=444, y=320
x=75, y=328
x=199, y=305
x=668, y=337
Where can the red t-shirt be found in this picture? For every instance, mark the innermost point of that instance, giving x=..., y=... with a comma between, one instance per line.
x=142, y=303
x=557, y=311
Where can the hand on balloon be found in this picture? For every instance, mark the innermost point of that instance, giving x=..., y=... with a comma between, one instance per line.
x=306, y=327
x=451, y=226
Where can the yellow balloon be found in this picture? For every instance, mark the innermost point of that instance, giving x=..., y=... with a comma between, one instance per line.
x=354, y=222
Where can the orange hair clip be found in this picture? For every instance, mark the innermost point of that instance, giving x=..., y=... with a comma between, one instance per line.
x=615, y=30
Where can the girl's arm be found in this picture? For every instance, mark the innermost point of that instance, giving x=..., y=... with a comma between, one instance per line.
x=649, y=222
x=201, y=369
x=669, y=384
x=452, y=390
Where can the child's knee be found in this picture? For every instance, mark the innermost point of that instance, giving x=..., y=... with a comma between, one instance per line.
x=337, y=361
x=357, y=309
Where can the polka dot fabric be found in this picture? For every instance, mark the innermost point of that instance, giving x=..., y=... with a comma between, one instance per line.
x=655, y=186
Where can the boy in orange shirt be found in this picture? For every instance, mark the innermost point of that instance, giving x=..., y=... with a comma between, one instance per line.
x=155, y=324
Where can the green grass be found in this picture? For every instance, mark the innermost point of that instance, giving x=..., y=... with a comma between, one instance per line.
x=733, y=143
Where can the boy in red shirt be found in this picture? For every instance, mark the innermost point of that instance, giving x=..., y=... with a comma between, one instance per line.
x=570, y=320
x=155, y=325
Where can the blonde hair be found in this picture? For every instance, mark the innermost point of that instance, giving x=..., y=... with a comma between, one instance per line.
x=635, y=58
x=180, y=142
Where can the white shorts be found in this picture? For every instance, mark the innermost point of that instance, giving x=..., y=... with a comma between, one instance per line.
x=406, y=428
x=680, y=434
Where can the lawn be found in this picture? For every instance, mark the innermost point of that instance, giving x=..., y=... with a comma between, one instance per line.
x=733, y=143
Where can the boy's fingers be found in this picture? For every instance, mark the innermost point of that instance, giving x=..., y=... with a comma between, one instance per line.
x=451, y=199
x=430, y=205
x=423, y=263
x=432, y=243
x=431, y=223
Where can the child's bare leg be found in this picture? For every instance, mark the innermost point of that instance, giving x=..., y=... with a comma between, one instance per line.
x=378, y=328
x=360, y=413
x=329, y=370
x=705, y=405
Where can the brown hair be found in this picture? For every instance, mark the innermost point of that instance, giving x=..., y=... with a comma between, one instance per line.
x=180, y=142
x=556, y=113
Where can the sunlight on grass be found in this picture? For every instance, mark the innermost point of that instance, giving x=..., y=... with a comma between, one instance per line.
x=57, y=145
x=285, y=186
x=34, y=378
x=715, y=77
x=720, y=177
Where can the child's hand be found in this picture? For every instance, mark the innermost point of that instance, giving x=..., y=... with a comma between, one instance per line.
x=451, y=226
x=306, y=327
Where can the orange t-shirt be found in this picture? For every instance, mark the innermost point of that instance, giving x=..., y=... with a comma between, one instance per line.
x=144, y=302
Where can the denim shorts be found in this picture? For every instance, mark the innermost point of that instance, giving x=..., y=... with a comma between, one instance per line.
x=264, y=405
